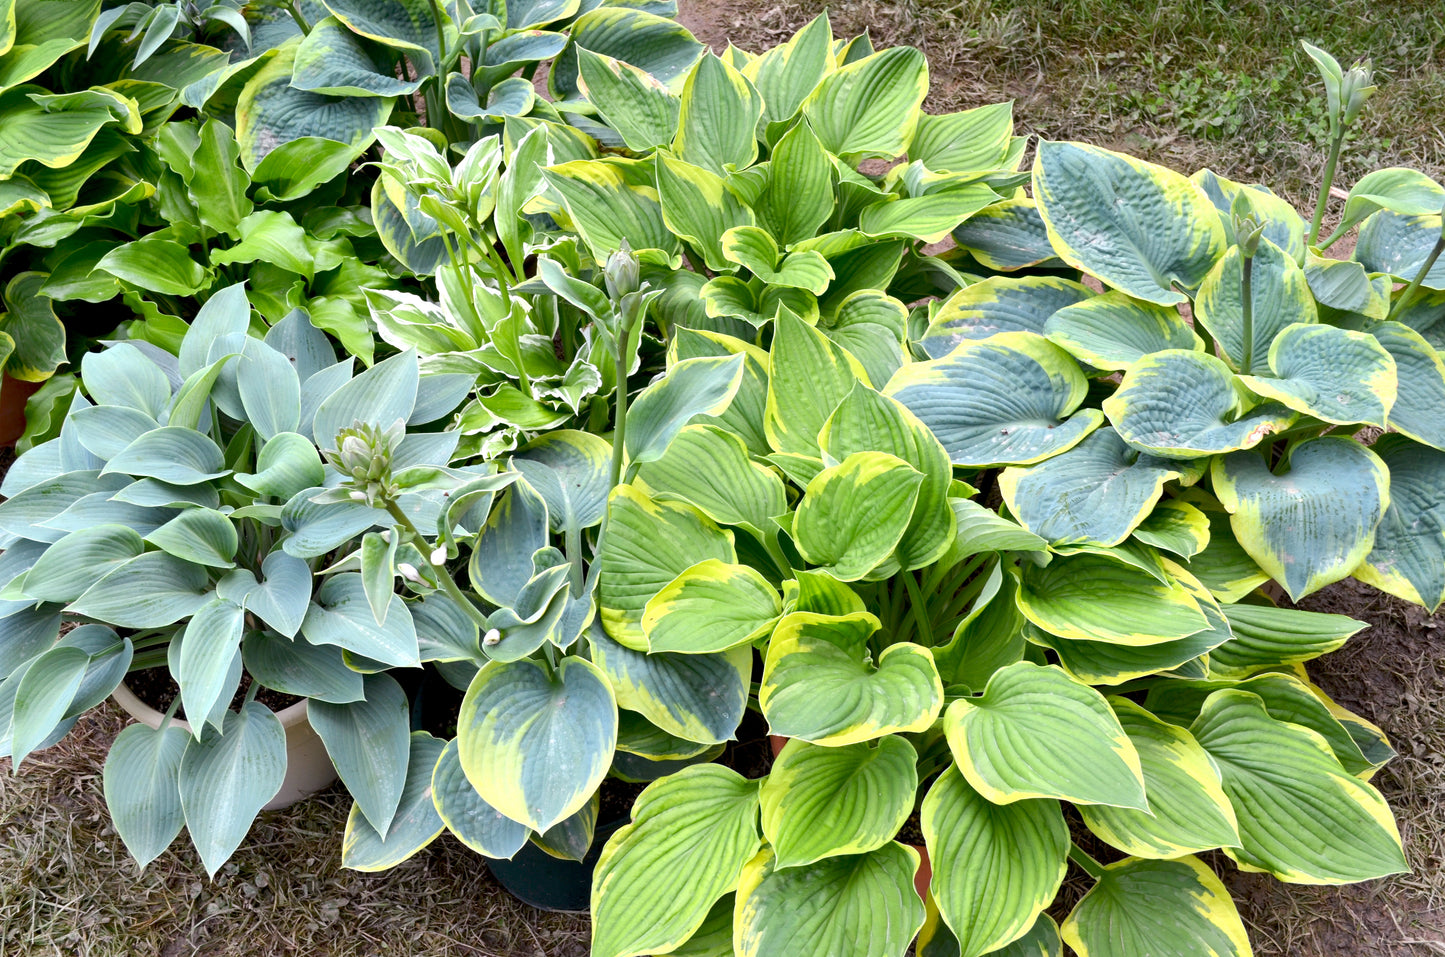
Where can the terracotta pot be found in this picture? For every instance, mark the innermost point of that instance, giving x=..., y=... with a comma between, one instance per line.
x=13, y=393
x=308, y=767
x=924, y=874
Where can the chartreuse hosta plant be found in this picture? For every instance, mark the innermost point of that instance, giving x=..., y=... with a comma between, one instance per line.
x=187, y=518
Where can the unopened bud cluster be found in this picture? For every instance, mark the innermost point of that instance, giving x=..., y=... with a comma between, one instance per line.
x=363, y=454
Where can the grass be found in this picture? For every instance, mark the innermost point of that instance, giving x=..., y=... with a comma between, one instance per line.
x=1212, y=83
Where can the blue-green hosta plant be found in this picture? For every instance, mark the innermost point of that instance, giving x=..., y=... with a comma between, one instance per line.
x=186, y=518
x=1023, y=567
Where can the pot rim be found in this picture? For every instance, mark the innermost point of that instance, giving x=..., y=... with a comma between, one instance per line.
x=291, y=715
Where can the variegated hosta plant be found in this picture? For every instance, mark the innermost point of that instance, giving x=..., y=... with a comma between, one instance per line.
x=189, y=517
x=1022, y=566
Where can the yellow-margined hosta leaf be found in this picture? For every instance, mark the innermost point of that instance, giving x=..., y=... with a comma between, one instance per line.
x=1007, y=236
x=1136, y=226
x=756, y=250
x=787, y=73
x=702, y=386
x=1408, y=557
x=1313, y=523
x=415, y=825
x=709, y=468
x=870, y=107
x=609, y=200
x=1399, y=245
x=970, y=140
x=1264, y=636
x=819, y=684
x=1332, y=374
x=1420, y=370
x=1115, y=330
x=824, y=802
x=534, y=745
x=744, y=417
x=717, y=128
x=653, y=44
x=995, y=866
x=1176, y=527
x=692, y=832
x=1036, y=733
x=634, y=103
x=860, y=904
x=999, y=304
x=1166, y=908
x=1188, y=811
x=710, y=607
x=1096, y=598
x=853, y=515
x=1280, y=296
x=809, y=376
x=698, y=206
x=1010, y=399
x=871, y=326
x=1283, y=225
x=475, y=823
x=1302, y=817
x=648, y=544
x=1184, y=404
x=928, y=219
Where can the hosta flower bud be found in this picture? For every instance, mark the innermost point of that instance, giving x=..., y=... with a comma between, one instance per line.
x=1356, y=88
x=491, y=638
x=623, y=272
x=439, y=555
x=409, y=572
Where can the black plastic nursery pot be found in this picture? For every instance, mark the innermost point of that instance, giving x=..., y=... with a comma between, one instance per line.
x=535, y=877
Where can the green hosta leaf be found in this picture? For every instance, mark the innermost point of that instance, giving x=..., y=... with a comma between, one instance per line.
x=1408, y=557
x=1420, y=371
x=318, y=672
x=156, y=265
x=405, y=25
x=744, y=417
x=1280, y=297
x=1267, y=637
x=1301, y=816
x=714, y=938
x=870, y=107
x=513, y=96
x=341, y=615
x=271, y=112
x=1399, y=245
x=218, y=184
x=795, y=197
x=755, y=249
x=1037, y=733
x=606, y=206
x=999, y=304
x=1188, y=811
x=1176, y=527
x=853, y=515
x=199, y=535
x=1138, y=227
x=787, y=73
x=172, y=454
x=995, y=867
x=43, y=697
x=475, y=823
x=810, y=375
x=1282, y=224
x=142, y=793
x=698, y=698
x=225, y=779
x=692, y=387
x=123, y=376
x=1006, y=236
x=282, y=598
x=1315, y=522
x=367, y=740
x=823, y=802
x=711, y=607
x=1185, y=404
x=651, y=43
x=288, y=464
x=1332, y=374
x=501, y=562
x=648, y=544
x=104, y=430
x=635, y=103
x=820, y=685
x=863, y=904
x=970, y=140
x=1097, y=492
x=1113, y=331
x=534, y=745
x=693, y=831
x=928, y=219
x=1097, y=598
x=1009, y=399
x=697, y=206
x=710, y=469
x=720, y=111
x=38, y=338
x=379, y=396
x=866, y=421
x=67, y=568
x=53, y=130
x=1395, y=188
x=333, y=60
x=415, y=825
x=148, y=591
x=1224, y=565
x=870, y=325
x=1167, y=908
x=988, y=638
x=1347, y=287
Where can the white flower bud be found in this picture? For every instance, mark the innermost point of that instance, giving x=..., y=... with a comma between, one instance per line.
x=439, y=555
x=410, y=573
x=492, y=637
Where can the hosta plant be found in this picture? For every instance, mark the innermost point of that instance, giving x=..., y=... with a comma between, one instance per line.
x=182, y=521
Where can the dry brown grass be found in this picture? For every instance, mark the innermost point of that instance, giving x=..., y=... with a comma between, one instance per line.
x=68, y=888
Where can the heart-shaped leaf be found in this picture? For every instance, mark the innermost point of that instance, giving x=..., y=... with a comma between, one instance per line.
x=1142, y=906
x=341, y=615
x=711, y=607
x=415, y=824
x=853, y=515
x=1408, y=557
x=999, y=304
x=225, y=779
x=1113, y=331
x=1280, y=296
x=1332, y=374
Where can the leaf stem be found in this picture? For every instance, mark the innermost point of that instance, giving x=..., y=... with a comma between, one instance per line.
x=1247, y=303
x=1330, y=163
x=448, y=584
x=918, y=607
x=1413, y=289
x=1090, y=866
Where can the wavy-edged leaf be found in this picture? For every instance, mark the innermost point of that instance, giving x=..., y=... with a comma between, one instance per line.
x=1098, y=598
x=808, y=377
x=633, y=102
x=698, y=206
x=870, y=106
x=999, y=304
x=710, y=468
x=854, y=514
x=1007, y=236
x=1420, y=370
x=1333, y=374
x=711, y=607
x=719, y=114
x=1399, y=245
x=1115, y=330
x=1408, y=555
x=656, y=45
